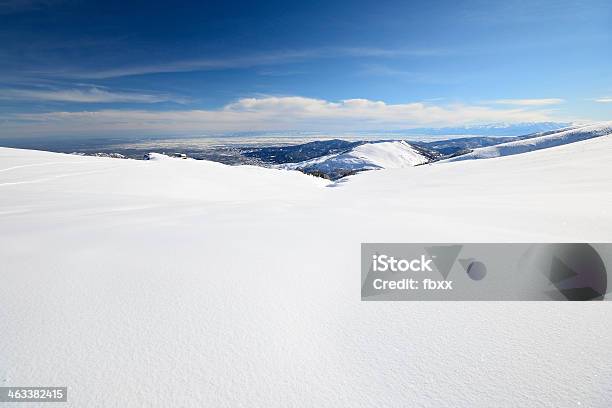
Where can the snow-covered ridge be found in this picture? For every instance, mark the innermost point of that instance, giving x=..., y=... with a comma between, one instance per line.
x=368, y=156
x=549, y=139
x=160, y=176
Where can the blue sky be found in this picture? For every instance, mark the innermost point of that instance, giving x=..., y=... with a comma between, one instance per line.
x=198, y=68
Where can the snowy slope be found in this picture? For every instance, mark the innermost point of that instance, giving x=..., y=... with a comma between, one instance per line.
x=163, y=177
x=368, y=156
x=541, y=142
x=188, y=283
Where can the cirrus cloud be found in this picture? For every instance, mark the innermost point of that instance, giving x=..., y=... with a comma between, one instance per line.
x=87, y=95
x=529, y=102
x=243, y=61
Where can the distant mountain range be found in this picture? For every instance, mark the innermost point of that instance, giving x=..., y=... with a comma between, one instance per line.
x=538, y=141
x=491, y=129
x=334, y=159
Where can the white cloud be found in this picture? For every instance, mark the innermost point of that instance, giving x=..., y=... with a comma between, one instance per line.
x=272, y=114
x=605, y=99
x=88, y=95
x=529, y=102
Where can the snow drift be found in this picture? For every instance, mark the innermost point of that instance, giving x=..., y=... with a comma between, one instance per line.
x=187, y=283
